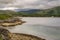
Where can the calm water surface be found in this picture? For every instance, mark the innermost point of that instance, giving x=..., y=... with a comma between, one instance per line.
x=48, y=28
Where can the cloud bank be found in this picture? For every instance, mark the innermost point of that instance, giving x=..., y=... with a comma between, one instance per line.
x=28, y=4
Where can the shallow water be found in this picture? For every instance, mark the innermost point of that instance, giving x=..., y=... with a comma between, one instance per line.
x=48, y=28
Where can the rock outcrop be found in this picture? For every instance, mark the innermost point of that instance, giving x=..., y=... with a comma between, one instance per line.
x=6, y=35
x=11, y=22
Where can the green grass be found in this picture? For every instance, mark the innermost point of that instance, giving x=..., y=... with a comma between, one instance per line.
x=4, y=16
x=1, y=38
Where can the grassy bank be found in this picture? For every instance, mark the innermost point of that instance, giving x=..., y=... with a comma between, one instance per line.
x=1, y=38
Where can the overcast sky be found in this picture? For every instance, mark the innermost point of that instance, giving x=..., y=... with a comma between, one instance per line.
x=28, y=4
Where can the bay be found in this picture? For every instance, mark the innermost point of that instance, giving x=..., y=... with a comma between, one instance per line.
x=44, y=27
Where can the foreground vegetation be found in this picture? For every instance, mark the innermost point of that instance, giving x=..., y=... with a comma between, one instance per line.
x=0, y=37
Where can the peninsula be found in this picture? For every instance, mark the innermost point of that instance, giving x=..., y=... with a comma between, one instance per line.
x=11, y=22
x=7, y=19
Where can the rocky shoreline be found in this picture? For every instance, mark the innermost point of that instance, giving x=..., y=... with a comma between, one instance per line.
x=6, y=35
x=11, y=22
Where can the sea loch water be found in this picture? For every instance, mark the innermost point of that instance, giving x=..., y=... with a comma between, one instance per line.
x=48, y=28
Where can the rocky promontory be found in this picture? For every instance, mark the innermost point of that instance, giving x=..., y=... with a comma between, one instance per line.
x=6, y=35
x=11, y=22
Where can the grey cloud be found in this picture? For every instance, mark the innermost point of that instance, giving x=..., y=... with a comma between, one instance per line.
x=39, y=4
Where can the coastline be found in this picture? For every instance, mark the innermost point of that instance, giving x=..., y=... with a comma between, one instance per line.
x=11, y=22
x=6, y=35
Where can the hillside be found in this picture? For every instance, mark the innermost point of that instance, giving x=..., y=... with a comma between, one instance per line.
x=31, y=13
x=5, y=14
x=41, y=13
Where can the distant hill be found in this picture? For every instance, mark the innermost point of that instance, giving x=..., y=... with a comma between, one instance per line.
x=33, y=12
x=28, y=10
x=41, y=13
